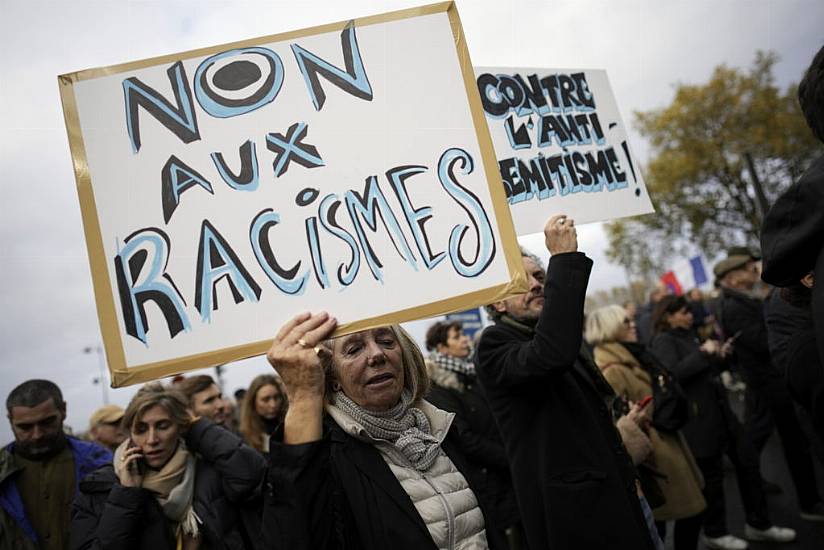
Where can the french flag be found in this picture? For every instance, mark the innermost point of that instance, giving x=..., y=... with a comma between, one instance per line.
x=686, y=275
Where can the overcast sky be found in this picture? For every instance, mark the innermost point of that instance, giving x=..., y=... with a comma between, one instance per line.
x=46, y=294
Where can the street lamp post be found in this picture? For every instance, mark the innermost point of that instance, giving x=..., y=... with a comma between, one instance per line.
x=102, y=378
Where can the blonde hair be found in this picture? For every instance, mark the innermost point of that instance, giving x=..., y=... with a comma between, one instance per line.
x=605, y=325
x=152, y=395
x=415, y=375
x=251, y=424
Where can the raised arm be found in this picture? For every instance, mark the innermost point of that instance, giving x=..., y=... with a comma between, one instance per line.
x=557, y=337
x=299, y=498
x=296, y=356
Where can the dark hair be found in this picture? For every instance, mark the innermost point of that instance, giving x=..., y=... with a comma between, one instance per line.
x=438, y=334
x=811, y=95
x=191, y=385
x=33, y=392
x=668, y=305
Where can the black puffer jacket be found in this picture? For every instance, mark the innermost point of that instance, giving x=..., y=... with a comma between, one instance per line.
x=706, y=431
x=228, y=481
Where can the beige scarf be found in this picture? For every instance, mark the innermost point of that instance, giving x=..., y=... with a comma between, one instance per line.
x=173, y=487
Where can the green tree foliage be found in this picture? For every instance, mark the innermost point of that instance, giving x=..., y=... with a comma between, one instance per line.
x=721, y=153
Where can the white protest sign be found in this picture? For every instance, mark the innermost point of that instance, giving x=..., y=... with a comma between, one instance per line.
x=345, y=168
x=561, y=146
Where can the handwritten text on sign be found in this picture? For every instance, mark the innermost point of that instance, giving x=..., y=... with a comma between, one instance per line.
x=238, y=188
x=561, y=146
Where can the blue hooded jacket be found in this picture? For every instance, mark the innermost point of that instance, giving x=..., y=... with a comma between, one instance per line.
x=88, y=457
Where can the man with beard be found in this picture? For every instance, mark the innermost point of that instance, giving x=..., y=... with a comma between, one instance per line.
x=40, y=470
x=574, y=477
x=206, y=399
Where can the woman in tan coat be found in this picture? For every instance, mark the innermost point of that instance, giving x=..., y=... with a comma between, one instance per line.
x=626, y=365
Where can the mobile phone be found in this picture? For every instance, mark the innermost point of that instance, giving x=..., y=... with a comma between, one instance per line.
x=734, y=337
x=137, y=466
x=644, y=402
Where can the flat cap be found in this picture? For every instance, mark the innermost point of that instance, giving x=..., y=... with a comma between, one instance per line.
x=730, y=263
x=107, y=414
x=744, y=251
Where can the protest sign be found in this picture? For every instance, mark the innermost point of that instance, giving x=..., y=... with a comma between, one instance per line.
x=470, y=320
x=561, y=146
x=345, y=168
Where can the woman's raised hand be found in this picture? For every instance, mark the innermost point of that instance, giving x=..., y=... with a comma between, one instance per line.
x=295, y=355
x=128, y=471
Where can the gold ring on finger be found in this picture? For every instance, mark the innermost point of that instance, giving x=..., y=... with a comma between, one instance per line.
x=317, y=350
x=302, y=343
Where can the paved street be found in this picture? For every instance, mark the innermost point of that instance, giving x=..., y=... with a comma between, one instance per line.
x=783, y=507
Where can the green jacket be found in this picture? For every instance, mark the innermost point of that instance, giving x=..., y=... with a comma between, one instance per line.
x=16, y=532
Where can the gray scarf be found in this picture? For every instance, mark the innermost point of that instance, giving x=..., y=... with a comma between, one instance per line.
x=404, y=426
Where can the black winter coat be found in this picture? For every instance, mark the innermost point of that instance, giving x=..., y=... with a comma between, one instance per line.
x=744, y=315
x=783, y=320
x=228, y=479
x=792, y=343
x=339, y=493
x=710, y=415
x=481, y=443
x=574, y=481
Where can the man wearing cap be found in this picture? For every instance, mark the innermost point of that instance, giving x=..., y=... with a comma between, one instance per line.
x=105, y=428
x=741, y=315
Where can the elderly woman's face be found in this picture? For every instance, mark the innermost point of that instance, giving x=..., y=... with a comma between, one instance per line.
x=369, y=368
x=156, y=434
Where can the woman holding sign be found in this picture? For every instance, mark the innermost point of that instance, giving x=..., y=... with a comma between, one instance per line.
x=363, y=461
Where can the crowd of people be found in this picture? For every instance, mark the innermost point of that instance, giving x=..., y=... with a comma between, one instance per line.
x=553, y=430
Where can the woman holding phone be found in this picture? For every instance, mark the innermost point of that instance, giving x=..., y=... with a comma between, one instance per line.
x=712, y=431
x=631, y=371
x=178, y=482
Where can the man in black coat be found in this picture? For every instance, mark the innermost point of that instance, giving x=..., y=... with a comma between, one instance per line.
x=574, y=480
x=742, y=317
x=792, y=240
